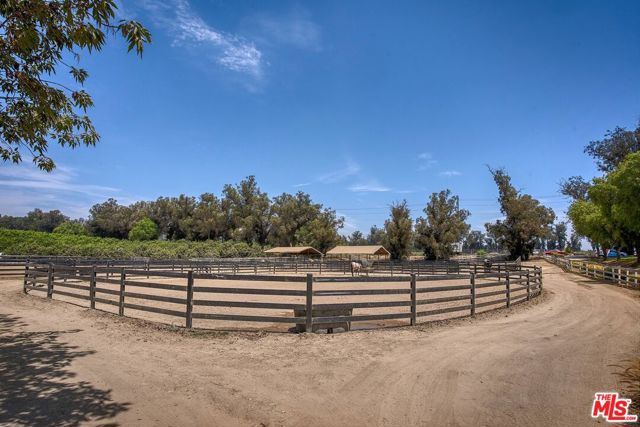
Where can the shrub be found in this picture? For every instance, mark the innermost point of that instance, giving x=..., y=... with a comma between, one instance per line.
x=71, y=227
x=481, y=252
x=20, y=242
x=144, y=229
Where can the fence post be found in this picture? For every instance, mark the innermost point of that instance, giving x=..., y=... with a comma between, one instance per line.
x=540, y=280
x=508, y=290
x=189, y=314
x=50, y=281
x=320, y=266
x=26, y=275
x=528, y=287
x=309, y=304
x=121, y=302
x=92, y=287
x=472, y=279
x=414, y=306
x=147, y=269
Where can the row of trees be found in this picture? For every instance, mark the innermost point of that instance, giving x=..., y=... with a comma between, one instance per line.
x=443, y=225
x=243, y=213
x=606, y=210
x=526, y=224
x=246, y=214
x=36, y=220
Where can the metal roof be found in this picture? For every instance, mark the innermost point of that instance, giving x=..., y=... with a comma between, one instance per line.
x=359, y=250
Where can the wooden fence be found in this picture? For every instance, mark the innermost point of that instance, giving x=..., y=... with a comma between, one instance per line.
x=622, y=276
x=305, y=301
x=14, y=265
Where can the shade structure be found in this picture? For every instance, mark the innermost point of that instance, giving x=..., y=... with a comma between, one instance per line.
x=354, y=251
x=293, y=250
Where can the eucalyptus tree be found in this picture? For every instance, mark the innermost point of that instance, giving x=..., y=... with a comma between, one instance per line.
x=399, y=231
x=444, y=224
x=525, y=218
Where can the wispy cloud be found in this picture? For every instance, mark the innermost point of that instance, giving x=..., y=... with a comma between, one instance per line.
x=352, y=168
x=61, y=179
x=189, y=29
x=371, y=186
x=350, y=224
x=351, y=175
x=294, y=29
x=426, y=161
x=24, y=187
x=450, y=173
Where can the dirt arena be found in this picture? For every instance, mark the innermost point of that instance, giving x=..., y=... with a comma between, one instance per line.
x=107, y=293
x=534, y=364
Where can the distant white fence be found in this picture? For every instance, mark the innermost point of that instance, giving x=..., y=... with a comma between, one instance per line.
x=622, y=276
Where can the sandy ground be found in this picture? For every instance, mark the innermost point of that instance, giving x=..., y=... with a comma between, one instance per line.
x=536, y=364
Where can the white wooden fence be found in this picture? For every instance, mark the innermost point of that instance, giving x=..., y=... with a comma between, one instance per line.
x=622, y=276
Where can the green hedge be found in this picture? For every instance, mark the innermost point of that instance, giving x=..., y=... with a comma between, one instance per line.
x=19, y=242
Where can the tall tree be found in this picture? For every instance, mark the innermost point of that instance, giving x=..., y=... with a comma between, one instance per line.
x=575, y=187
x=560, y=235
x=357, y=239
x=399, y=231
x=376, y=236
x=616, y=145
x=588, y=220
x=525, y=218
x=574, y=242
x=249, y=211
x=321, y=232
x=624, y=189
x=36, y=38
x=290, y=214
x=110, y=219
x=474, y=240
x=443, y=225
x=209, y=220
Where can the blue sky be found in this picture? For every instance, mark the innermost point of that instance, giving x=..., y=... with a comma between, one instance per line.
x=357, y=103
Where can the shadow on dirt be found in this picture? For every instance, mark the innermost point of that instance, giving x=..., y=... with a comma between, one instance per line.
x=37, y=389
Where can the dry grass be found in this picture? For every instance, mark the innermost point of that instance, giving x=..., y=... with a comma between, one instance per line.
x=629, y=375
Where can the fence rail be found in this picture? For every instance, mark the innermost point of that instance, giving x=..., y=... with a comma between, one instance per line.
x=622, y=276
x=307, y=301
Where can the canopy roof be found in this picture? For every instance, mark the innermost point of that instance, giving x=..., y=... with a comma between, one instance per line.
x=293, y=250
x=359, y=250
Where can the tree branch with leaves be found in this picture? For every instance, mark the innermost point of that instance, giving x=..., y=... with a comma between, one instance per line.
x=36, y=38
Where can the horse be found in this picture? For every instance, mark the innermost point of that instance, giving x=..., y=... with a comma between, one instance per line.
x=356, y=267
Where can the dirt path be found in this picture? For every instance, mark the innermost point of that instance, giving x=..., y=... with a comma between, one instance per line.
x=529, y=366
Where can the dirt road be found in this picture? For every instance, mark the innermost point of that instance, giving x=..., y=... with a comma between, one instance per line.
x=533, y=365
